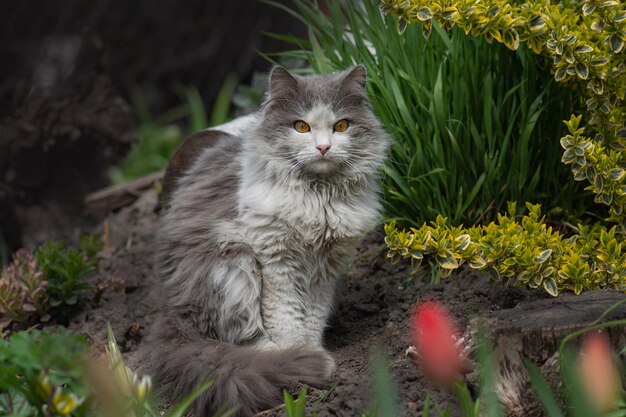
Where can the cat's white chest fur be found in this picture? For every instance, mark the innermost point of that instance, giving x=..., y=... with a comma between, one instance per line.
x=319, y=214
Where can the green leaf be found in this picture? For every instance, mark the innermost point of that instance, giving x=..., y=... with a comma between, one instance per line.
x=588, y=8
x=295, y=408
x=402, y=25
x=599, y=182
x=477, y=263
x=560, y=74
x=536, y=23
x=449, y=13
x=511, y=39
x=569, y=156
x=609, y=3
x=616, y=43
x=462, y=242
x=542, y=389
x=180, y=409
x=386, y=402
x=596, y=85
x=543, y=256
x=617, y=174
x=424, y=14
x=550, y=286
x=220, y=109
x=583, y=49
x=582, y=70
x=598, y=61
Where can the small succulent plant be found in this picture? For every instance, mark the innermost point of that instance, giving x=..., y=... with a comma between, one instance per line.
x=23, y=297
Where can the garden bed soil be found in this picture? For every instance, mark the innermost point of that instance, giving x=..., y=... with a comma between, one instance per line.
x=375, y=301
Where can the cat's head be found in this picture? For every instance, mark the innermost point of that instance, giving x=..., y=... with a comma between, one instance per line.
x=320, y=125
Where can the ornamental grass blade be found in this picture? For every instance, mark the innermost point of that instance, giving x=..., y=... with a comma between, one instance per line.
x=542, y=389
x=181, y=408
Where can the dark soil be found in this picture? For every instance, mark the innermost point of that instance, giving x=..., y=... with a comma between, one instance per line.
x=373, y=311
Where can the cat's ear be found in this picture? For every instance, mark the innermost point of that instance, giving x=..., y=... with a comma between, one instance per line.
x=357, y=75
x=282, y=82
x=352, y=88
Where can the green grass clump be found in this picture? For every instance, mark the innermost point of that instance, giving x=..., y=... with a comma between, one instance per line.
x=159, y=136
x=473, y=125
x=65, y=269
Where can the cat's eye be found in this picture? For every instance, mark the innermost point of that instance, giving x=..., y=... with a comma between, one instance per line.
x=302, y=126
x=341, y=126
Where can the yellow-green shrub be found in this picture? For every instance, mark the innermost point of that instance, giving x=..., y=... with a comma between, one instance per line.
x=585, y=42
x=521, y=250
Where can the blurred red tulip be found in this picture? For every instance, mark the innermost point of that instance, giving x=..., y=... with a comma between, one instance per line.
x=435, y=335
x=598, y=371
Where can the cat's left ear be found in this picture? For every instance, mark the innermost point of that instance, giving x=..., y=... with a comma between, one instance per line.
x=281, y=82
x=357, y=75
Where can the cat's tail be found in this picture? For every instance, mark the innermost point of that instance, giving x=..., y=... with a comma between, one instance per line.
x=244, y=377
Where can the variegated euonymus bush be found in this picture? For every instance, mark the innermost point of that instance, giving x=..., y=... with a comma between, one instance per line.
x=585, y=42
x=520, y=250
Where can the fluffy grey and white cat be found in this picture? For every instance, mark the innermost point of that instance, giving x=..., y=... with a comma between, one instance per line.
x=255, y=235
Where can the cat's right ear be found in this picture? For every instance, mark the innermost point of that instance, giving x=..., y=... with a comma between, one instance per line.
x=282, y=82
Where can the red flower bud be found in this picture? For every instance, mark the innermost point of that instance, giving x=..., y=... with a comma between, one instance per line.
x=598, y=371
x=435, y=335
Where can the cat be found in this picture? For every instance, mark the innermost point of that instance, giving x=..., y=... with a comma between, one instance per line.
x=254, y=237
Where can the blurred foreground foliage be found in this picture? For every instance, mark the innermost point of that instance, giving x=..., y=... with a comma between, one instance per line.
x=55, y=374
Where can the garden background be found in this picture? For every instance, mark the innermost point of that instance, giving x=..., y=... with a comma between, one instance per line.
x=505, y=189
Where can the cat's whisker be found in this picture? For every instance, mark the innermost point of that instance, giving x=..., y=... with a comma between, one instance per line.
x=360, y=174
x=363, y=153
x=283, y=179
x=338, y=104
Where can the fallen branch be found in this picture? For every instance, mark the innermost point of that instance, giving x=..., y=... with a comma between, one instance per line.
x=120, y=195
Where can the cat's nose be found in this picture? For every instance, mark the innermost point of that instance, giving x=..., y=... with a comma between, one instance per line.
x=323, y=148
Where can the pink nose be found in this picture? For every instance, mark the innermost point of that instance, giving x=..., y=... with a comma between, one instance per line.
x=323, y=148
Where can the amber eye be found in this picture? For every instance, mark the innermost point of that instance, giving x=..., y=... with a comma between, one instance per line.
x=341, y=125
x=302, y=126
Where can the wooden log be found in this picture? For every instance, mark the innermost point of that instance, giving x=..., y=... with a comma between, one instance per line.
x=539, y=326
x=535, y=330
x=120, y=195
